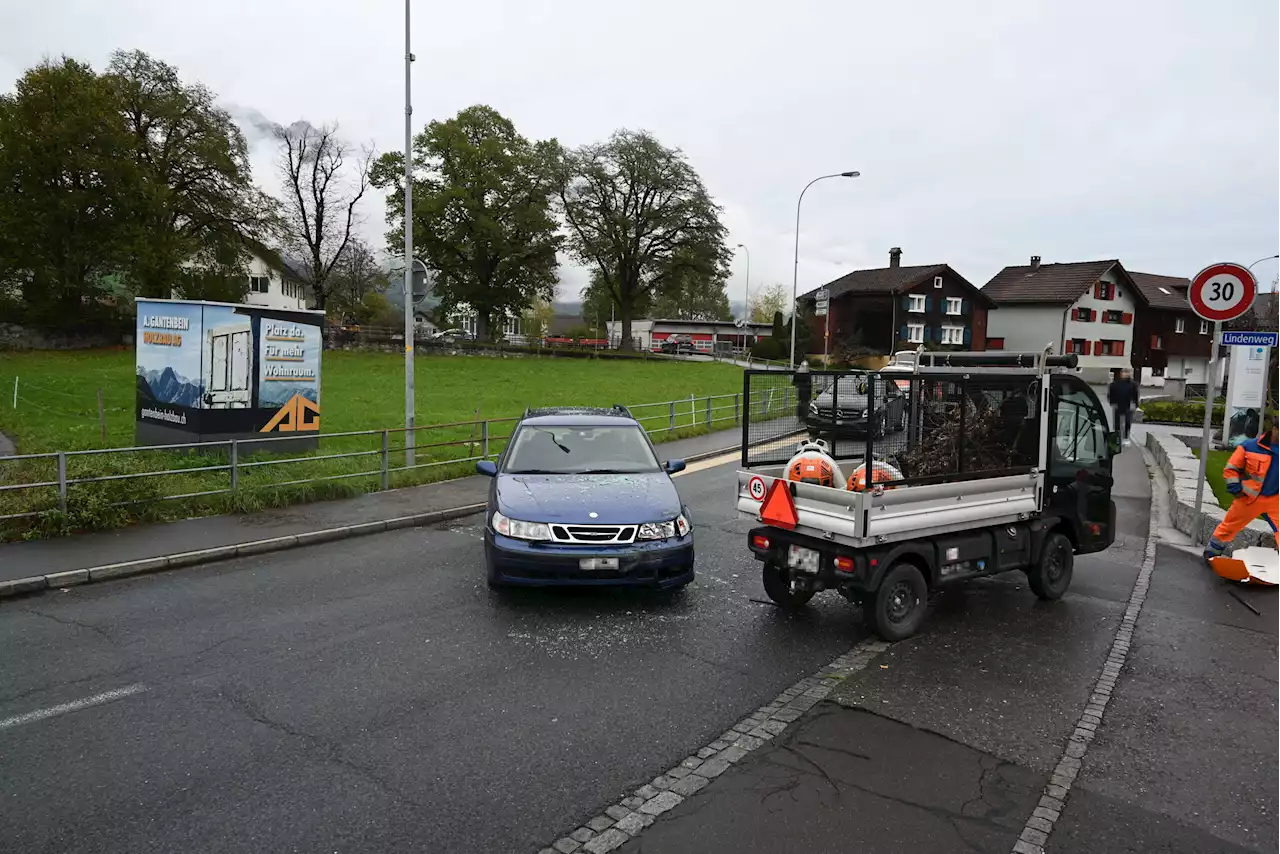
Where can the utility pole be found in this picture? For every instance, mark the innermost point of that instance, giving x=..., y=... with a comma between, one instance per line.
x=409, y=407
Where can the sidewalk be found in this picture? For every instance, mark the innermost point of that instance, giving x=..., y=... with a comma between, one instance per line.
x=43, y=557
x=946, y=742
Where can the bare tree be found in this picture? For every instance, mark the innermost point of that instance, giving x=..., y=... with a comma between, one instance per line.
x=324, y=180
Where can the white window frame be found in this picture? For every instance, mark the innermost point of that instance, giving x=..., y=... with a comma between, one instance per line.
x=953, y=335
x=954, y=306
x=937, y=282
x=1204, y=327
x=1180, y=325
x=917, y=304
x=915, y=333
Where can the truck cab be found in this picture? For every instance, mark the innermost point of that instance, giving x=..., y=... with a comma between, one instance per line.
x=1006, y=465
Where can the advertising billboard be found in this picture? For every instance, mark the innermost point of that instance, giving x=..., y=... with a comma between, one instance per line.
x=1246, y=388
x=210, y=371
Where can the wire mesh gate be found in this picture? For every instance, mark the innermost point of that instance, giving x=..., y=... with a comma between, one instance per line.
x=931, y=426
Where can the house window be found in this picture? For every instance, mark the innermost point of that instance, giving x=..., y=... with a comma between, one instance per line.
x=1109, y=347
x=1204, y=327
x=955, y=305
x=1082, y=315
x=995, y=343
x=937, y=282
x=952, y=335
x=510, y=327
x=1104, y=290
x=1113, y=317
x=917, y=303
x=1180, y=326
x=1079, y=346
x=915, y=331
x=1157, y=342
x=259, y=284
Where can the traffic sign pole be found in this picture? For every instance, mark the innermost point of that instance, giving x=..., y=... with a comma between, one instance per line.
x=1210, y=395
x=1218, y=293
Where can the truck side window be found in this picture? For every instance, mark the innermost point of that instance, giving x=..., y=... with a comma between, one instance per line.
x=1080, y=432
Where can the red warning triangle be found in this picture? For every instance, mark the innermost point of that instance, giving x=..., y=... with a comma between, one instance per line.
x=779, y=508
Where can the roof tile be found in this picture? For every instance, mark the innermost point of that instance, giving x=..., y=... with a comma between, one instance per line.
x=1048, y=283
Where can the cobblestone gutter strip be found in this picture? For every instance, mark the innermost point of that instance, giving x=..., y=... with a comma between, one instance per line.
x=71, y=578
x=1035, y=833
x=619, y=822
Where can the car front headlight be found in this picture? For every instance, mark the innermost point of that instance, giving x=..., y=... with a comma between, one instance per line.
x=813, y=408
x=518, y=530
x=866, y=412
x=677, y=527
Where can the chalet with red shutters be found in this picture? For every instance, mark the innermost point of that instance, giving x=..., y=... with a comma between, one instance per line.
x=1082, y=307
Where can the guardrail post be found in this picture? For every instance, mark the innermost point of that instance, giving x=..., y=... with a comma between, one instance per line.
x=386, y=460
x=708, y=413
x=737, y=405
x=671, y=416
x=235, y=465
x=484, y=439
x=62, y=481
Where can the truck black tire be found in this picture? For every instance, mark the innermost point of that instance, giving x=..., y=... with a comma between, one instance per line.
x=1051, y=575
x=778, y=588
x=898, y=606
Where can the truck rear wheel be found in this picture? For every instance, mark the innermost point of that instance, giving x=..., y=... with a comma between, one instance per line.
x=898, y=606
x=1051, y=576
x=777, y=586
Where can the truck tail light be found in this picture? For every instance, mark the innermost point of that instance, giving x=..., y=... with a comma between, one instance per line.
x=759, y=541
x=844, y=564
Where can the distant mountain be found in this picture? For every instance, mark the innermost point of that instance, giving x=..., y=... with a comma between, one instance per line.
x=166, y=386
x=278, y=394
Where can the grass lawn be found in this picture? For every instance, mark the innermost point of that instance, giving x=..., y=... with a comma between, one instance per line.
x=1213, y=474
x=58, y=410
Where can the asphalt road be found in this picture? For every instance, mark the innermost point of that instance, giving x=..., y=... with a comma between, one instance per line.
x=373, y=695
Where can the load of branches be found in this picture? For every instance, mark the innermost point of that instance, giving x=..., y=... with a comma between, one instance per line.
x=988, y=441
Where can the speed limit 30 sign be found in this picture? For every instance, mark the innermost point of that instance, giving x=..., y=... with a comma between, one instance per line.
x=1222, y=292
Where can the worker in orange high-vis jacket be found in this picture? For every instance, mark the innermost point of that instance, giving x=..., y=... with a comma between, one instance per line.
x=1252, y=477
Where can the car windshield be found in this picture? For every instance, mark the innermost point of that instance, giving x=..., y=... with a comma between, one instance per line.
x=580, y=450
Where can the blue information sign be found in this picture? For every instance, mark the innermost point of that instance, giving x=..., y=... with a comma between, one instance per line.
x=1249, y=339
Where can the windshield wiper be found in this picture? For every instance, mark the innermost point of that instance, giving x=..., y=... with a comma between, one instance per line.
x=533, y=471
x=610, y=471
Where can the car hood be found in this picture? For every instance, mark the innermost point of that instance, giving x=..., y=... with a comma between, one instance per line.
x=847, y=401
x=618, y=499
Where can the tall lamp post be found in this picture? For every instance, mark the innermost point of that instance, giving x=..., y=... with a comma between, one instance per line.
x=795, y=271
x=746, y=296
x=409, y=407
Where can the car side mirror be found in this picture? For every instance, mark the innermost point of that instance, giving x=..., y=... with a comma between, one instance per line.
x=488, y=468
x=673, y=466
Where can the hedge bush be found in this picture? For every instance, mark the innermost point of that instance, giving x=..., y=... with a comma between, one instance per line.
x=1189, y=412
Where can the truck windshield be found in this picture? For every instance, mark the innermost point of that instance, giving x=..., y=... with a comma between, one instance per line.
x=580, y=450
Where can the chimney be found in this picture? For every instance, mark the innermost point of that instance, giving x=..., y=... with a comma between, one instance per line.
x=895, y=257
x=1035, y=262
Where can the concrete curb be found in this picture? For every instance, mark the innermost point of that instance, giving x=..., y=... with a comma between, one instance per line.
x=1181, y=469
x=145, y=566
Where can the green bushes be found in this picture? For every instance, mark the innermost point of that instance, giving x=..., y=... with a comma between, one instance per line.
x=1189, y=412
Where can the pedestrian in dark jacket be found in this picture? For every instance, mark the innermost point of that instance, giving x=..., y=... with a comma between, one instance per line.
x=804, y=389
x=1123, y=395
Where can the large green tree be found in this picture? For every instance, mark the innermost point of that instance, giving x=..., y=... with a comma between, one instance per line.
x=198, y=200
x=65, y=190
x=638, y=212
x=695, y=290
x=481, y=213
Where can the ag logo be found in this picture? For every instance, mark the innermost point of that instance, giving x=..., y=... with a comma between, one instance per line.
x=298, y=415
x=756, y=489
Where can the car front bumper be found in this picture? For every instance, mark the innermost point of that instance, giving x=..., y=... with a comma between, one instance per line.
x=659, y=563
x=836, y=426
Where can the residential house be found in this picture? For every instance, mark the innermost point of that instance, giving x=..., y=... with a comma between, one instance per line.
x=706, y=336
x=1083, y=307
x=896, y=307
x=1171, y=343
x=270, y=280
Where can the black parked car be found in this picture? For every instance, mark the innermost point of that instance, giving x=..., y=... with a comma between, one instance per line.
x=845, y=409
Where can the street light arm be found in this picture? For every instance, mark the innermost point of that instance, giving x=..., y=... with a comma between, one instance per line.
x=795, y=265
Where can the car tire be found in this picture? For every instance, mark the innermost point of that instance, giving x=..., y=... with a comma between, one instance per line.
x=882, y=427
x=898, y=606
x=778, y=588
x=1051, y=575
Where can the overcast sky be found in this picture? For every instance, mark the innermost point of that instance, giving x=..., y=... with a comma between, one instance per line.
x=985, y=132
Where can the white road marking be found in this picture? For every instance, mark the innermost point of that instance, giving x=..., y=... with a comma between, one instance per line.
x=73, y=706
x=710, y=463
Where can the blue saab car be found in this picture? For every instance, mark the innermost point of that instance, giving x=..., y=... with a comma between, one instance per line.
x=579, y=498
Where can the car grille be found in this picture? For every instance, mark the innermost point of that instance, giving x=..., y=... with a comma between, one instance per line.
x=825, y=412
x=594, y=534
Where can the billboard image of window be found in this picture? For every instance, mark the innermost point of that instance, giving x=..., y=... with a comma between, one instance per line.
x=212, y=371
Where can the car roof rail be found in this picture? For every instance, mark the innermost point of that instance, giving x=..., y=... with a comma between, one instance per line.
x=616, y=410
